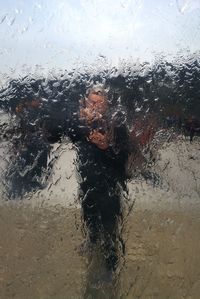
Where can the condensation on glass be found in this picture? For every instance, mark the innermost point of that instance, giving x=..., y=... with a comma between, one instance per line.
x=99, y=147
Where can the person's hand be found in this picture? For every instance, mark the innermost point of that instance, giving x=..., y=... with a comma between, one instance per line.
x=99, y=139
x=89, y=115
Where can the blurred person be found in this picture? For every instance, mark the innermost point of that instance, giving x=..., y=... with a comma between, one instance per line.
x=108, y=154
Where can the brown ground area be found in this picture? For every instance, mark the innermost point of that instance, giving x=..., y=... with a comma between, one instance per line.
x=40, y=256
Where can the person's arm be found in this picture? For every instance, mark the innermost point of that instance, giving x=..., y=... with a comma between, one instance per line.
x=101, y=140
x=140, y=136
x=88, y=117
x=136, y=161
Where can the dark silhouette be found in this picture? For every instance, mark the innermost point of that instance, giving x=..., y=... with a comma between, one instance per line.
x=106, y=150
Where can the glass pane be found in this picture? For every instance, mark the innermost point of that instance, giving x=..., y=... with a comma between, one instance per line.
x=99, y=147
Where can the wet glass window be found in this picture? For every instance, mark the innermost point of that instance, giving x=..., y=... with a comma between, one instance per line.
x=99, y=149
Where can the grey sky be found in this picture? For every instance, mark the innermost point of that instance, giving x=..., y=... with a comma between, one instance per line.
x=65, y=33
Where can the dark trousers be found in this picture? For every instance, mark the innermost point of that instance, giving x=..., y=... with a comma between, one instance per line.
x=101, y=213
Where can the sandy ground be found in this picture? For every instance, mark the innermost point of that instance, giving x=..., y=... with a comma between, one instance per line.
x=40, y=256
x=40, y=239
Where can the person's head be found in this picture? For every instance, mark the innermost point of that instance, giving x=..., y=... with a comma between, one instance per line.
x=96, y=98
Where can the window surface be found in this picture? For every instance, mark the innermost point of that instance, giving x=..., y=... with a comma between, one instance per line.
x=99, y=149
